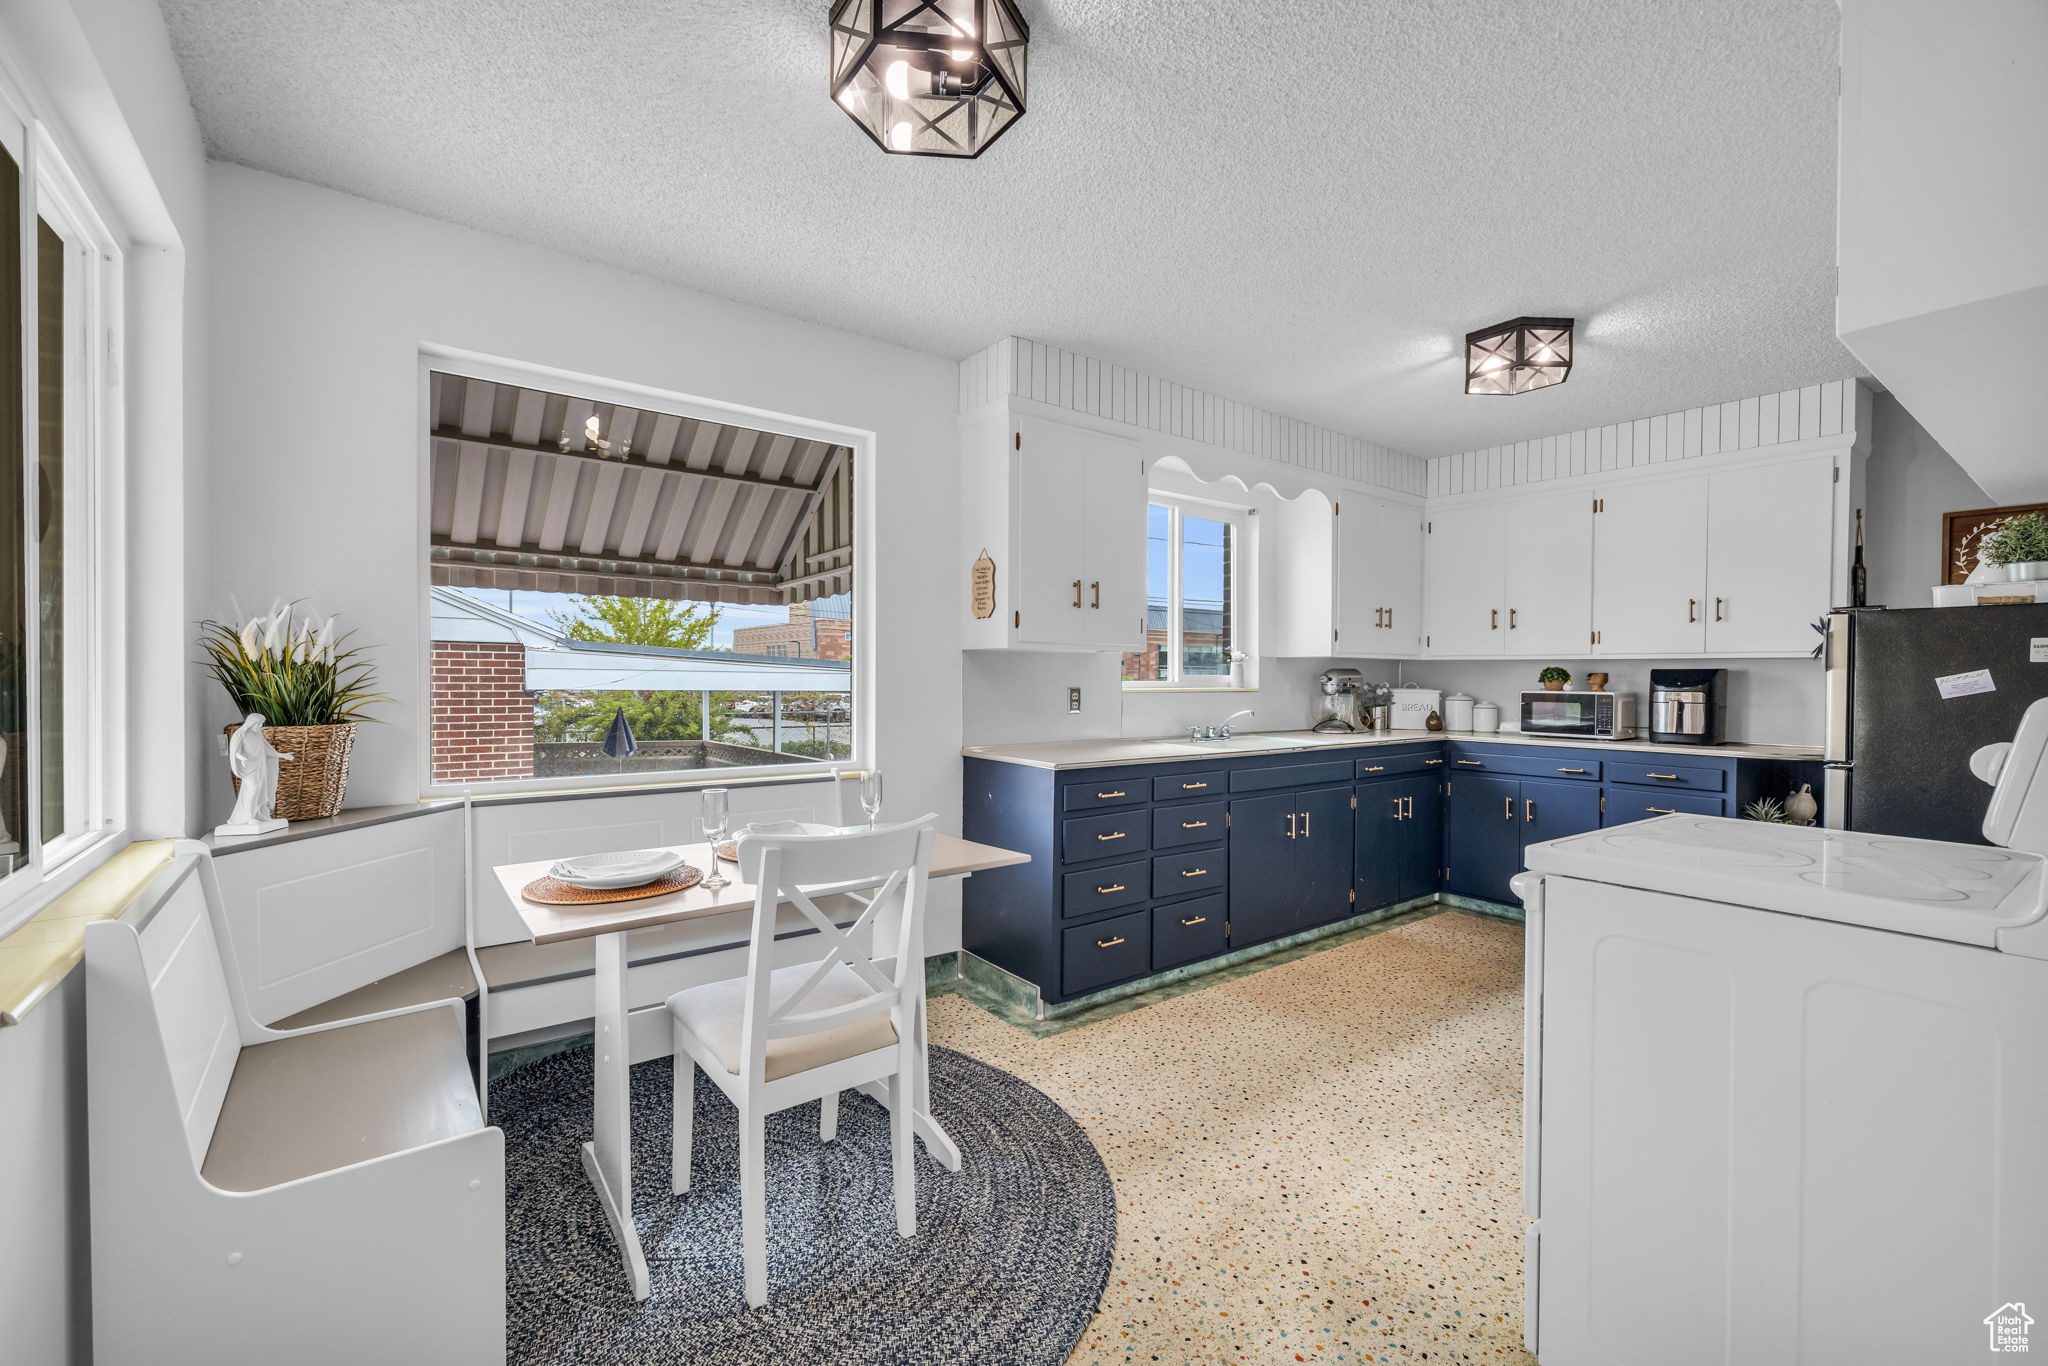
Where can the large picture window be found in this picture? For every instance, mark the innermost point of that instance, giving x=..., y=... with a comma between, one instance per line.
x=1194, y=577
x=57, y=265
x=630, y=593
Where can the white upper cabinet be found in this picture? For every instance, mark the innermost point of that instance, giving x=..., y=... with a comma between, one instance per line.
x=1464, y=577
x=1549, y=586
x=1060, y=510
x=1378, y=578
x=1650, y=568
x=1770, y=556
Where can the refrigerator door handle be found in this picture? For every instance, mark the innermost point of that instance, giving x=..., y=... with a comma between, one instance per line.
x=1835, y=775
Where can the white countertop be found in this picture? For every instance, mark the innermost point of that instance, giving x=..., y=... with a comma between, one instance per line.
x=1103, y=753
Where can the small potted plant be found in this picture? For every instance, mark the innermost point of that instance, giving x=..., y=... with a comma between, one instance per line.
x=310, y=686
x=2021, y=545
x=1554, y=678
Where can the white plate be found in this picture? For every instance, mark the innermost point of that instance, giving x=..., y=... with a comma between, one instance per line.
x=609, y=872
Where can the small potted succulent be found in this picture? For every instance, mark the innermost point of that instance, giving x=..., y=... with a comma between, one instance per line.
x=2021, y=545
x=1554, y=678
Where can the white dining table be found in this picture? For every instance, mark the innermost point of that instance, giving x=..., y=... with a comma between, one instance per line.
x=607, y=1158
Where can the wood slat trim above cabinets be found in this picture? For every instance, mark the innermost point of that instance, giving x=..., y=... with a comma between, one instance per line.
x=1019, y=368
x=1751, y=425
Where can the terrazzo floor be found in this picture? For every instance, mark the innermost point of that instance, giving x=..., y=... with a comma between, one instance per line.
x=1318, y=1162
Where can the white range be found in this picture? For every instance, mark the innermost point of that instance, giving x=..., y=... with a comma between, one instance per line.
x=1786, y=1092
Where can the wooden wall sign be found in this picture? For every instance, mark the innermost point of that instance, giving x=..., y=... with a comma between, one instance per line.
x=1962, y=531
x=983, y=580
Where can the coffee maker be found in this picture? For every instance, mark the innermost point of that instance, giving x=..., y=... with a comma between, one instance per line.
x=1688, y=706
x=1336, y=706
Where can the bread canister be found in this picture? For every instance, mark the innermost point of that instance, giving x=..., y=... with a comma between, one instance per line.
x=1485, y=717
x=1412, y=707
x=1457, y=712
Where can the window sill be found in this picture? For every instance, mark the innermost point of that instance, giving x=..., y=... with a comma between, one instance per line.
x=768, y=776
x=1142, y=688
x=38, y=953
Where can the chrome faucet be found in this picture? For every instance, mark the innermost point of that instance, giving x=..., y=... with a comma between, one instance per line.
x=1222, y=732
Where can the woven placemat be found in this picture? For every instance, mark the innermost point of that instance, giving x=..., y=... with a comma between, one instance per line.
x=548, y=891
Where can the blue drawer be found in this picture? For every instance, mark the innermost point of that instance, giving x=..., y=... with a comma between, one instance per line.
x=1111, y=836
x=1105, y=953
x=1291, y=775
x=1693, y=777
x=1188, y=931
x=1089, y=796
x=1104, y=889
x=1179, y=874
x=1535, y=761
x=1187, y=823
x=1625, y=804
x=1392, y=765
x=1187, y=785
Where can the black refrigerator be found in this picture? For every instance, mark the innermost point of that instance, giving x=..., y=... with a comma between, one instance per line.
x=1908, y=704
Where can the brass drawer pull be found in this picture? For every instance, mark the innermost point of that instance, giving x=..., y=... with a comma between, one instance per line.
x=1198, y=920
x=1432, y=762
x=1508, y=808
x=1190, y=787
x=1194, y=825
x=1571, y=770
x=1667, y=777
x=1408, y=808
x=1528, y=808
x=1661, y=810
x=1109, y=943
x=1105, y=796
x=1375, y=768
x=1114, y=835
x=1194, y=872
x=1474, y=763
x=1112, y=887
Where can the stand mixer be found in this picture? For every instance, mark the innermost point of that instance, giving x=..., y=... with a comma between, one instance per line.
x=1346, y=703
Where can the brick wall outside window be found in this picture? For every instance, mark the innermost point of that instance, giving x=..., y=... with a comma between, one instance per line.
x=483, y=715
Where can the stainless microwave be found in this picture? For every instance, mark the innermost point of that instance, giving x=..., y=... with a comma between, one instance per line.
x=1580, y=715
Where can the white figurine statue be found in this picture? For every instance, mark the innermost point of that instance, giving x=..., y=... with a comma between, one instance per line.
x=251, y=759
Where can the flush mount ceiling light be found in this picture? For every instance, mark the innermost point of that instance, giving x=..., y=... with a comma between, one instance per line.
x=1515, y=357
x=932, y=78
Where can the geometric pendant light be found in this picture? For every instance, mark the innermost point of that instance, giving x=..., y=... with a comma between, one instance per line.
x=1515, y=357
x=936, y=78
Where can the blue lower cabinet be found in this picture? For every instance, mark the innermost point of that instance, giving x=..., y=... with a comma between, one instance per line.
x=1483, y=835
x=1105, y=952
x=1554, y=810
x=1115, y=836
x=1290, y=863
x=1398, y=839
x=1189, y=931
x=1187, y=823
x=1204, y=870
x=1636, y=804
x=1105, y=888
x=1420, y=856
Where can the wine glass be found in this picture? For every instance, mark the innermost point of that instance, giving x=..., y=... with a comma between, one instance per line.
x=712, y=817
x=871, y=794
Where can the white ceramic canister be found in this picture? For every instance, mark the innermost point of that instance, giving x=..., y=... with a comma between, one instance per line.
x=1485, y=717
x=1457, y=712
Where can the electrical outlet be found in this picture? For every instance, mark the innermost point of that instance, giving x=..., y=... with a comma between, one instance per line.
x=1073, y=699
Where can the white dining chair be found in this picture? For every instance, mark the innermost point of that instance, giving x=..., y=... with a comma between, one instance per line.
x=780, y=1037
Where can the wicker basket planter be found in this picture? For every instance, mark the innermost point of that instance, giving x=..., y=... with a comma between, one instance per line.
x=313, y=781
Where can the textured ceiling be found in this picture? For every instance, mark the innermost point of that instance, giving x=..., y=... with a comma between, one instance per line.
x=1304, y=205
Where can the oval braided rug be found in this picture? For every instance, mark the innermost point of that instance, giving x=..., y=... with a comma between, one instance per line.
x=1008, y=1265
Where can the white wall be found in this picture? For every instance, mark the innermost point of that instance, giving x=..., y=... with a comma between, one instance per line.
x=1909, y=483
x=321, y=302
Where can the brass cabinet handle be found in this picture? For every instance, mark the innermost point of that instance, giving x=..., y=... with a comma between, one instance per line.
x=1113, y=835
x=1379, y=616
x=1304, y=824
x=1390, y=618
x=1105, y=796
x=1432, y=762
x=1375, y=768
x=1397, y=807
x=1667, y=777
x=1717, y=609
x=1409, y=804
x=1292, y=817
x=1511, y=618
x=1528, y=808
x=1190, y=787
x=1077, y=592
x=1097, y=586
x=1571, y=770
x=1691, y=612
x=1662, y=810
x=1109, y=943
x=1496, y=620
x=1476, y=763
x=1194, y=872
x=1508, y=808
x=1194, y=825
x=1198, y=920
x=1112, y=887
